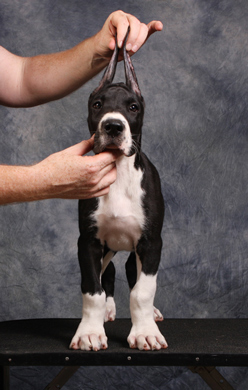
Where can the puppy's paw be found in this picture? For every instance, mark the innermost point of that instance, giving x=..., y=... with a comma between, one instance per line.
x=110, y=311
x=87, y=340
x=146, y=338
x=157, y=315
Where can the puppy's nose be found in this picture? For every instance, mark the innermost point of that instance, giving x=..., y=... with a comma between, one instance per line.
x=113, y=128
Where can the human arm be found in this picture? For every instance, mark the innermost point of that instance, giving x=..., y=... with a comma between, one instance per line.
x=66, y=174
x=29, y=81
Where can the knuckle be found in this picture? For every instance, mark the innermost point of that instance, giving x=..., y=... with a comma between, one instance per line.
x=92, y=170
x=93, y=182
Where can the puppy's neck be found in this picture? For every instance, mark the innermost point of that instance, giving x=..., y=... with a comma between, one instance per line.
x=125, y=164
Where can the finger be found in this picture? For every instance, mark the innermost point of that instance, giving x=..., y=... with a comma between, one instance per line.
x=119, y=22
x=139, y=32
x=107, y=175
x=98, y=194
x=145, y=32
x=104, y=159
x=154, y=26
x=140, y=39
x=107, y=179
x=135, y=28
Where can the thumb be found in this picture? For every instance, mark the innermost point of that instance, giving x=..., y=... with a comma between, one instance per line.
x=154, y=26
x=81, y=148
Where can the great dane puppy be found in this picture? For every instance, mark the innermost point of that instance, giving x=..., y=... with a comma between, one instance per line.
x=129, y=218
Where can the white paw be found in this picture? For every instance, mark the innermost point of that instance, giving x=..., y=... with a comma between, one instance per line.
x=89, y=338
x=110, y=311
x=146, y=337
x=157, y=315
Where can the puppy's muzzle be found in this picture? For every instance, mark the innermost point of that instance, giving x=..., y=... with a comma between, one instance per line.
x=113, y=132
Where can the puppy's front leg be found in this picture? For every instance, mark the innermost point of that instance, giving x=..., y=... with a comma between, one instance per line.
x=90, y=334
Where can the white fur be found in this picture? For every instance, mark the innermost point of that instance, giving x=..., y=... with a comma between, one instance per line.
x=141, y=299
x=110, y=311
x=144, y=333
x=90, y=333
x=120, y=216
x=126, y=143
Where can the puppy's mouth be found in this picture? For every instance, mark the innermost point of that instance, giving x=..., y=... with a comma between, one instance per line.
x=102, y=143
x=112, y=146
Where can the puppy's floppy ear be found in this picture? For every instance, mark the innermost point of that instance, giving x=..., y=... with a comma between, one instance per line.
x=110, y=70
x=131, y=79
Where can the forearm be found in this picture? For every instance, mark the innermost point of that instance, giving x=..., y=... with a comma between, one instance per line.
x=53, y=76
x=30, y=81
x=20, y=184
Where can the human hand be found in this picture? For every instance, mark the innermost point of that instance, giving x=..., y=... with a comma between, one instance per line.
x=70, y=175
x=118, y=22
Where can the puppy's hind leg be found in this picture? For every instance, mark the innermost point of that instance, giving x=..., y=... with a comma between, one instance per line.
x=108, y=284
x=145, y=334
x=131, y=272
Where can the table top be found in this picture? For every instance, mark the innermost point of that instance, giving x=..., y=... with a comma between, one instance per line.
x=197, y=342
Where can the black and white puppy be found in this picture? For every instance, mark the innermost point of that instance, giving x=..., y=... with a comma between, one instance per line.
x=128, y=218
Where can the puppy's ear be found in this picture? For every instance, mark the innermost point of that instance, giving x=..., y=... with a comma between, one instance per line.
x=110, y=70
x=131, y=79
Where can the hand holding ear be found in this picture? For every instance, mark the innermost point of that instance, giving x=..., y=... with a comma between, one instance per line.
x=118, y=22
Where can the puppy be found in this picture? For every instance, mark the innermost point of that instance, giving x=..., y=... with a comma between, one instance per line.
x=129, y=218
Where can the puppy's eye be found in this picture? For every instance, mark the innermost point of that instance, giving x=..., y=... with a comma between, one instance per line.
x=134, y=107
x=97, y=105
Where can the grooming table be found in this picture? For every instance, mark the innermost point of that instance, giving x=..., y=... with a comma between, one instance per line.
x=199, y=344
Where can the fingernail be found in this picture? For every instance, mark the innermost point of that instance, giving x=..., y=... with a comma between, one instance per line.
x=135, y=48
x=129, y=47
x=120, y=44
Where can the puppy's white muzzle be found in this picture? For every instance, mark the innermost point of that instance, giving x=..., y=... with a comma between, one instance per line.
x=113, y=132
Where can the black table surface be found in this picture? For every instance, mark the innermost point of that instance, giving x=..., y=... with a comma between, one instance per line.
x=197, y=342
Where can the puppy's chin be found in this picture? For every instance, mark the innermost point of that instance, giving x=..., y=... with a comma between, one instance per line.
x=98, y=148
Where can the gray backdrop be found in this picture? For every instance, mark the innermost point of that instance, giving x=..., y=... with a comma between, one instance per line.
x=193, y=77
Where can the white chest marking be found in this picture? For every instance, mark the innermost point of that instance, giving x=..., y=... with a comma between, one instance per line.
x=120, y=215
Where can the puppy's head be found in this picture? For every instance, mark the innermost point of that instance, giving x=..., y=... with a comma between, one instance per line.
x=116, y=110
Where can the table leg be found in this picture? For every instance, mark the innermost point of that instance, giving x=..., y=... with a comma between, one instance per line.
x=63, y=376
x=212, y=377
x=4, y=378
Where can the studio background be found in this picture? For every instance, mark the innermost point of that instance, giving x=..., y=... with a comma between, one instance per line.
x=193, y=76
